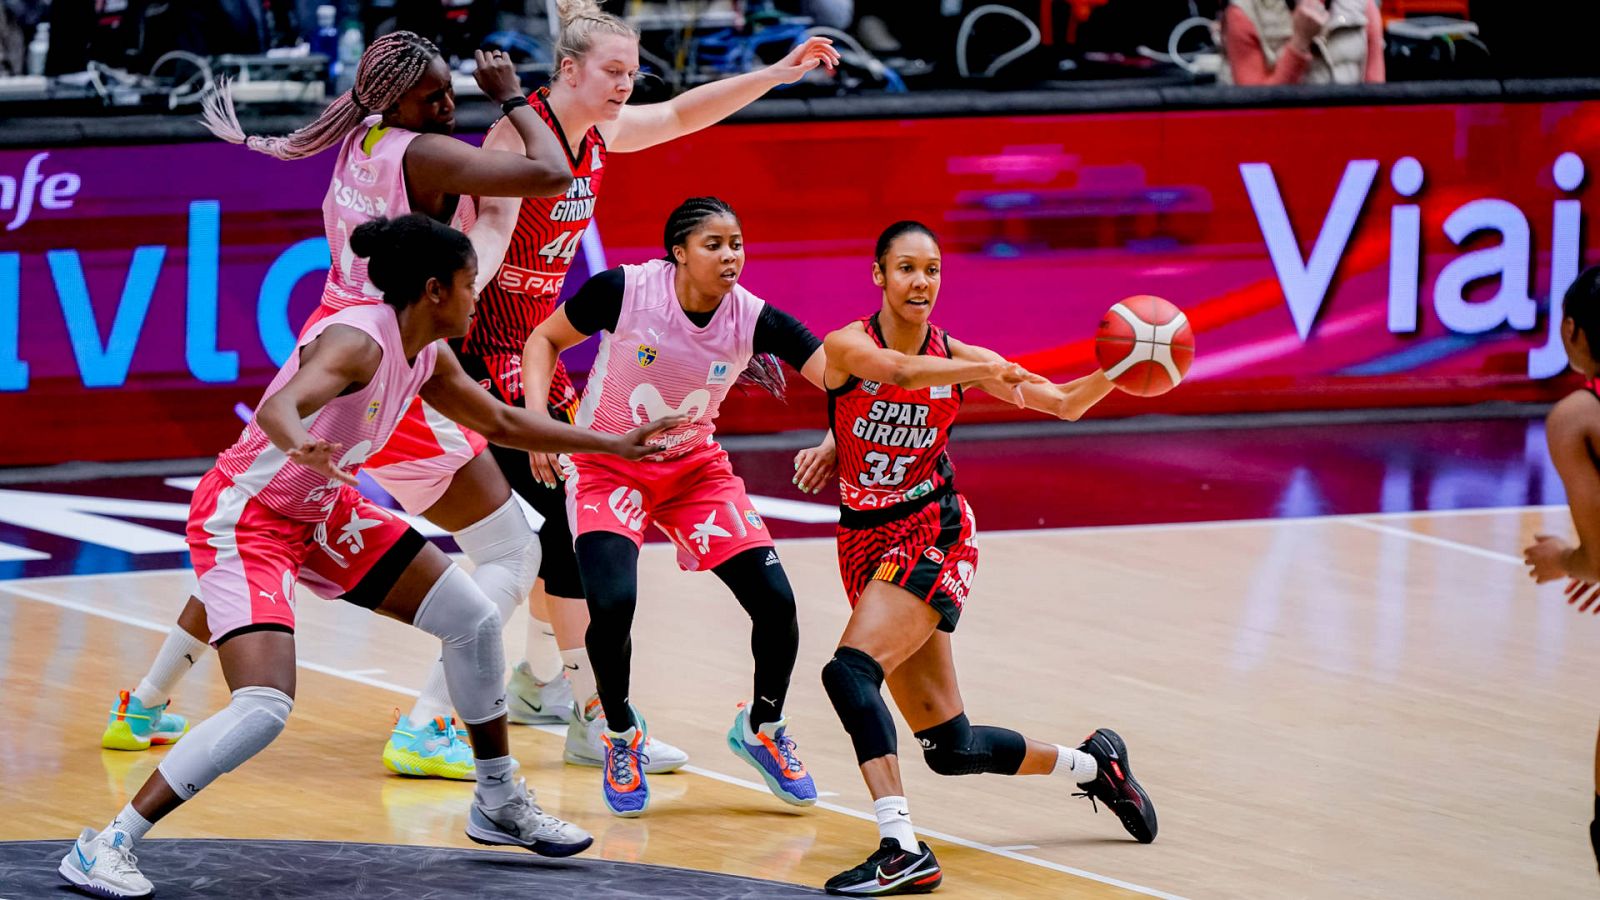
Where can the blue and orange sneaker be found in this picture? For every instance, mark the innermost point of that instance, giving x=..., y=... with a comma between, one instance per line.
x=771, y=750
x=627, y=794
x=433, y=749
x=134, y=726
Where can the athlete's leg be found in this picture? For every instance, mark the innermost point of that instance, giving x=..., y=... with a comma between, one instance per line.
x=140, y=718
x=887, y=627
x=609, y=563
x=1594, y=825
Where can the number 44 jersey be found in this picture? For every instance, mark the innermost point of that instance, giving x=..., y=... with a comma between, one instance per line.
x=892, y=440
x=525, y=291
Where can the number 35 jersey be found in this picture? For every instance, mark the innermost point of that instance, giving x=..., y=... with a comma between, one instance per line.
x=891, y=440
x=525, y=290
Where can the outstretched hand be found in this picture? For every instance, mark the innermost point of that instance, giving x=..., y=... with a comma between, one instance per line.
x=1544, y=558
x=635, y=444
x=322, y=456
x=813, y=52
x=815, y=466
x=496, y=75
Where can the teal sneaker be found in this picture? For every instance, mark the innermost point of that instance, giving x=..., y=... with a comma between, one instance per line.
x=434, y=749
x=134, y=726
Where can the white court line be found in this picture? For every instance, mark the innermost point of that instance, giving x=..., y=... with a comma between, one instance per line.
x=1448, y=544
x=356, y=676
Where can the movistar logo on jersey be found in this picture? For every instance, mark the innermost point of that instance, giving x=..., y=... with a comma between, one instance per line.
x=718, y=373
x=647, y=355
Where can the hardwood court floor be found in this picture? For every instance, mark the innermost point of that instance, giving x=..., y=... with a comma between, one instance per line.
x=1362, y=706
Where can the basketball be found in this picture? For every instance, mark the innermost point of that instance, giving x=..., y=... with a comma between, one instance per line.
x=1144, y=345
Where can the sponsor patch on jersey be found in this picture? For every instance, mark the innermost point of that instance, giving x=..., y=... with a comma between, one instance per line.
x=753, y=517
x=870, y=387
x=920, y=490
x=647, y=355
x=939, y=392
x=934, y=554
x=718, y=373
x=486, y=384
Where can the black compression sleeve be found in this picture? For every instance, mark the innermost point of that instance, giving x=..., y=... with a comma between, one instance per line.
x=598, y=304
x=782, y=335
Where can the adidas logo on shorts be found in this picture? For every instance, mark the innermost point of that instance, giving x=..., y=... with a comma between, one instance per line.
x=772, y=557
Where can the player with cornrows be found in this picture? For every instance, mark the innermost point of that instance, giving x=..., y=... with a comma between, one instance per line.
x=908, y=553
x=678, y=332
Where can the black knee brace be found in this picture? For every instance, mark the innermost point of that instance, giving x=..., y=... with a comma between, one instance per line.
x=957, y=748
x=854, y=683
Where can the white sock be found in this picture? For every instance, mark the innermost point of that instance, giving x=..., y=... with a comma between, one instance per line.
x=178, y=654
x=1075, y=764
x=130, y=823
x=579, y=672
x=496, y=784
x=894, y=821
x=433, y=702
x=544, y=657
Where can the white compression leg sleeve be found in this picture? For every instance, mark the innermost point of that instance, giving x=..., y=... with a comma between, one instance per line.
x=242, y=729
x=462, y=618
x=505, y=557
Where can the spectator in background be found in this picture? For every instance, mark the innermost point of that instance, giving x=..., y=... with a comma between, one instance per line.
x=1302, y=42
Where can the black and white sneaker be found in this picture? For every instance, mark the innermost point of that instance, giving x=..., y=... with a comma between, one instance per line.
x=890, y=870
x=1115, y=786
x=521, y=823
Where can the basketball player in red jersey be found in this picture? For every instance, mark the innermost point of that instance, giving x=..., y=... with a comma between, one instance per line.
x=395, y=155
x=597, y=57
x=908, y=552
x=1572, y=432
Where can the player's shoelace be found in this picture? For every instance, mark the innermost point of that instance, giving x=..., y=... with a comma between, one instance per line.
x=621, y=774
x=786, y=746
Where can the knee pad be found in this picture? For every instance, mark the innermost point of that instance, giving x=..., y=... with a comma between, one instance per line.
x=854, y=683
x=958, y=748
x=505, y=555
x=474, y=657
x=251, y=720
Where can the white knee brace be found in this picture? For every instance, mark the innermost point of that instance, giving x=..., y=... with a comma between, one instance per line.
x=474, y=656
x=505, y=556
x=242, y=729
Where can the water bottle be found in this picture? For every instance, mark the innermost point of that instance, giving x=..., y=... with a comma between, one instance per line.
x=325, y=40
x=351, y=46
x=38, y=49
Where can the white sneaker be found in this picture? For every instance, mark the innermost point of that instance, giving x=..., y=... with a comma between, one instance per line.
x=535, y=702
x=521, y=823
x=584, y=747
x=105, y=866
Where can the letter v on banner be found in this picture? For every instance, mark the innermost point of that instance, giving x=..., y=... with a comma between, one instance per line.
x=1305, y=282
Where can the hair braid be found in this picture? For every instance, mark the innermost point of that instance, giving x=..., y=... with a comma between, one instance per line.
x=391, y=65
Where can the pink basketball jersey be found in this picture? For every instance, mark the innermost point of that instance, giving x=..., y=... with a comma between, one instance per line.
x=657, y=362
x=361, y=422
x=366, y=186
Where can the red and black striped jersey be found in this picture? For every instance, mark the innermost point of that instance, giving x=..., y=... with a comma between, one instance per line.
x=891, y=440
x=549, y=230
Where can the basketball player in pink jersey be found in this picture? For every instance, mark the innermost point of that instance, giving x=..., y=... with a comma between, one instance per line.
x=280, y=505
x=394, y=156
x=1572, y=431
x=908, y=552
x=678, y=332
x=585, y=105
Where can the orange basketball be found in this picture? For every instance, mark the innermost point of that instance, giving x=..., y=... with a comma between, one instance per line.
x=1144, y=345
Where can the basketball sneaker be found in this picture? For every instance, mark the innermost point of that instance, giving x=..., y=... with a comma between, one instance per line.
x=134, y=726
x=104, y=865
x=535, y=702
x=771, y=751
x=890, y=870
x=585, y=747
x=433, y=749
x=1115, y=786
x=521, y=823
x=626, y=792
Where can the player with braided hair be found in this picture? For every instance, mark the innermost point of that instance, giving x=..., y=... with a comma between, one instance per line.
x=395, y=155
x=597, y=60
x=678, y=333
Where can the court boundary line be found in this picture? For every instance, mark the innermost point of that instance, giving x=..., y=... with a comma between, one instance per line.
x=355, y=676
x=1419, y=537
